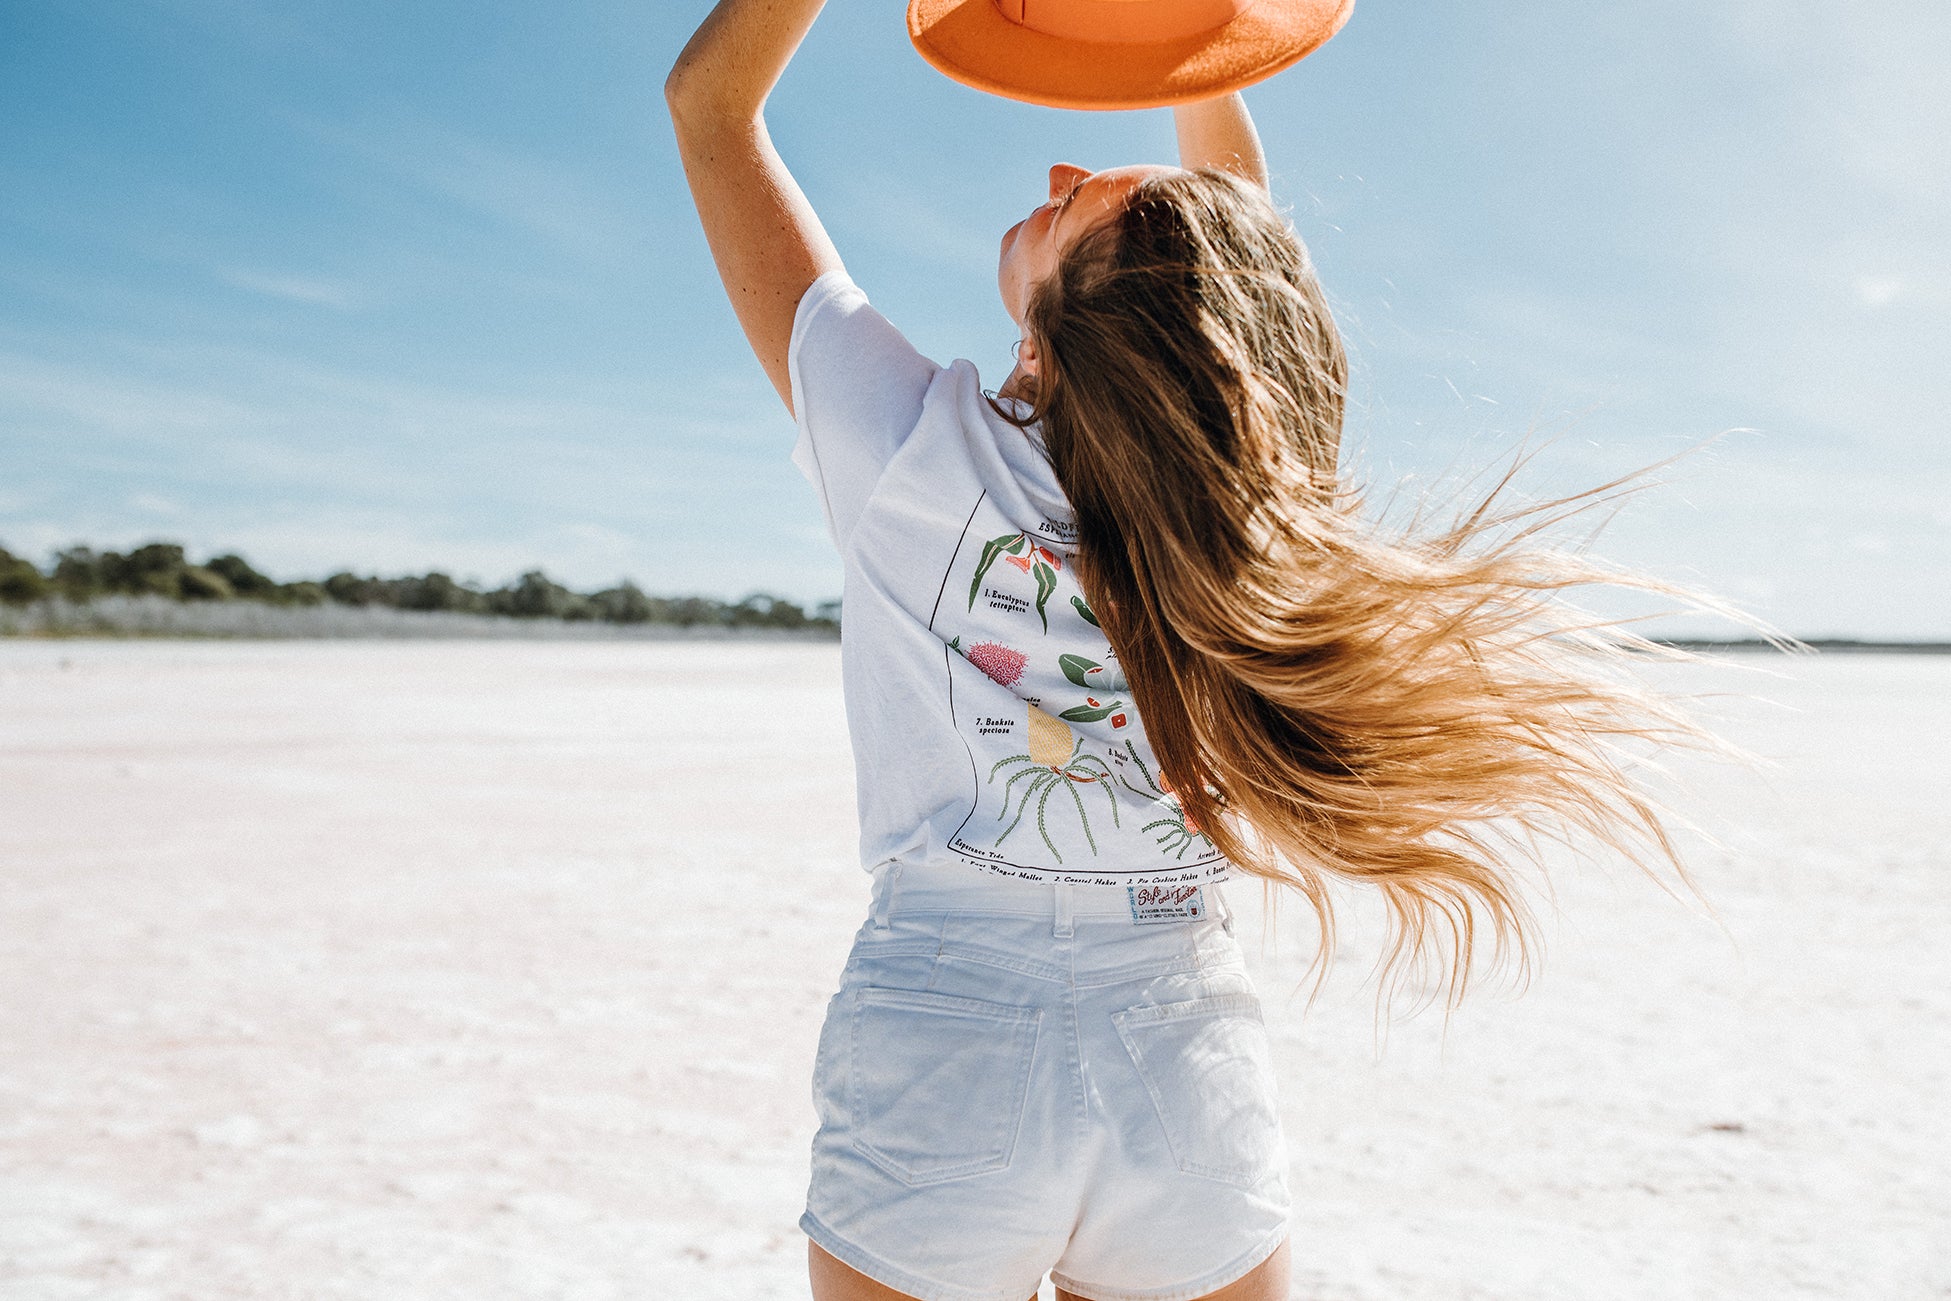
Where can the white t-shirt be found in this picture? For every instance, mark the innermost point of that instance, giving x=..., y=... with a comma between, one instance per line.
x=991, y=726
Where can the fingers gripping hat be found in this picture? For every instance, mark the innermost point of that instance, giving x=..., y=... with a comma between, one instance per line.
x=1118, y=53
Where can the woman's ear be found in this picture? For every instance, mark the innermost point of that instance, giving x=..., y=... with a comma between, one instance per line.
x=1026, y=355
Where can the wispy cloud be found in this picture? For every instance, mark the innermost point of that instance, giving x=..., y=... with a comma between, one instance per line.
x=307, y=467
x=924, y=223
x=508, y=186
x=1879, y=291
x=313, y=291
x=1875, y=93
x=149, y=503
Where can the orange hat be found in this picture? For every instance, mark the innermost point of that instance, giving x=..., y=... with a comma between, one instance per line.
x=1118, y=53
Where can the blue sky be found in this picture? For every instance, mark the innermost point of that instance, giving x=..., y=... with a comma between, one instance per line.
x=396, y=287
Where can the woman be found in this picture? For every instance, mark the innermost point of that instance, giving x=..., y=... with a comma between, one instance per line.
x=1115, y=633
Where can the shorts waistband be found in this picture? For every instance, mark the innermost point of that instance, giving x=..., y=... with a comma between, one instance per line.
x=932, y=888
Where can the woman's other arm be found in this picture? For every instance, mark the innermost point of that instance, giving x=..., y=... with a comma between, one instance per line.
x=764, y=235
x=1219, y=133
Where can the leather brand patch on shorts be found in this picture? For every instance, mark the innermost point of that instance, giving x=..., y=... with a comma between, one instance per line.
x=1153, y=904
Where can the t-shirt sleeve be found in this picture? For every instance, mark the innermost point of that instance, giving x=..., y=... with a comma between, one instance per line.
x=857, y=388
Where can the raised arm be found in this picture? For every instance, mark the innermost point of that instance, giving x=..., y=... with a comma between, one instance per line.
x=767, y=241
x=1219, y=133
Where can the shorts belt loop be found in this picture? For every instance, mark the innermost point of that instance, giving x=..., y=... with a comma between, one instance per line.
x=884, y=894
x=1063, y=929
x=1221, y=907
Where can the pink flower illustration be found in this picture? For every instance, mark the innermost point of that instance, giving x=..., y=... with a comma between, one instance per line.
x=1001, y=663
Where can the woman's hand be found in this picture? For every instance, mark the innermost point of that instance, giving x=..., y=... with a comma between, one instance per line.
x=1219, y=133
x=764, y=235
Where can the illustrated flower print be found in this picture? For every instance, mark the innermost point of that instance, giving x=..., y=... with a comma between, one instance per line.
x=1038, y=561
x=1003, y=665
x=1055, y=761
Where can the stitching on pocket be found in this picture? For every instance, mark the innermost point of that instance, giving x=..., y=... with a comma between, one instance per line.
x=1001, y=1063
x=1246, y=1004
x=1181, y=1131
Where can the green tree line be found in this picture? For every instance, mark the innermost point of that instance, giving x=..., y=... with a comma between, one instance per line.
x=163, y=569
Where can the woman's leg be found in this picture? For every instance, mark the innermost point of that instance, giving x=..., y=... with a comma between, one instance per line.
x=1266, y=1281
x=835, y=1281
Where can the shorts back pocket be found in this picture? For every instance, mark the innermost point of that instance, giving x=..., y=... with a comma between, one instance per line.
x=938, y=1082
x=1207, y=1067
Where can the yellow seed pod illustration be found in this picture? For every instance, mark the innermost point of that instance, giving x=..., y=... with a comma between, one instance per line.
x=1050, y=740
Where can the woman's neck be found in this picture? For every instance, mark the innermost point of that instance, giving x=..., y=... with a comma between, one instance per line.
x=1021, y=385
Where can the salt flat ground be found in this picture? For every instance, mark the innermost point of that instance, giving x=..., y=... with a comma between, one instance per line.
x=493, y=971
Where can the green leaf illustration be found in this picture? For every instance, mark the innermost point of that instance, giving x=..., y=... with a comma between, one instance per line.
x=1091, y=675
x=1046, y=583
x=1085, y=610
x=1013, y=543
x=1089, y=714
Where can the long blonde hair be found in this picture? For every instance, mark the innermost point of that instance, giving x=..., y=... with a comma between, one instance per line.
x=1329, y=699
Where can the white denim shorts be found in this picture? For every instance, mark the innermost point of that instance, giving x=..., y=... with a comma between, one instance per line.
x=1017, y=1079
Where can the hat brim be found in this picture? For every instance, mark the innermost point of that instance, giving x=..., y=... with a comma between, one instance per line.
x=971, y=41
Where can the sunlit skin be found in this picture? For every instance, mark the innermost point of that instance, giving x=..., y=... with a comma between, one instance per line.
x=1079, y=200
x=835, y=1281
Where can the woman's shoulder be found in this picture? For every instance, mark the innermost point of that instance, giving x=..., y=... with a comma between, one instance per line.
x=987, y=432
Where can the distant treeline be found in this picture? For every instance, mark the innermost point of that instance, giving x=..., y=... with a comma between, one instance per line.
x=162, y=569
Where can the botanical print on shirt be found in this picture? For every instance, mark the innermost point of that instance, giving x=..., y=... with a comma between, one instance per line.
x=1063, y=783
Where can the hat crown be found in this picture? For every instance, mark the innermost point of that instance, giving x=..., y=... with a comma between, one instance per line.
x=1122, y=22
